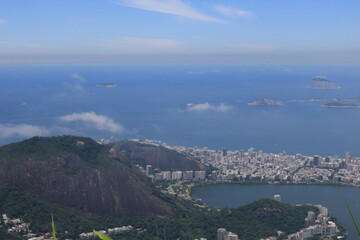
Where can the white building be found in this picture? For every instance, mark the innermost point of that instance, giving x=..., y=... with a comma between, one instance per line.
x=167, y=175
x=188, y=175
x=221, y=234
x=199, y=175
x=176, y=175
x=277, y=197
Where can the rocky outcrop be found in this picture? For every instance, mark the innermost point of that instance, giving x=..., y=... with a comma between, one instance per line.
x=60, y=170
x=158, y=157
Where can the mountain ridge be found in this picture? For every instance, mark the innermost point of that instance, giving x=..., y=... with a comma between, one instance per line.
x=157, y=156
x=78, y=172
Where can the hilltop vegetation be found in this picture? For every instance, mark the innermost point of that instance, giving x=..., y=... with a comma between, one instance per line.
x=17, y=203
x=259, y=219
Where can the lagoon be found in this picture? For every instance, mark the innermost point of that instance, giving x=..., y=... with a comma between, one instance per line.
x=331, y=196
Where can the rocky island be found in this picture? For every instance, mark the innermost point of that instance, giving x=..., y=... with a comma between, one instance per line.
x=322, y=83
x=354, y=99
x=265, y=102
x=340, y=105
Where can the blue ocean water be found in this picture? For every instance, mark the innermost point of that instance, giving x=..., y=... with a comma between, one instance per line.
x=150, y=101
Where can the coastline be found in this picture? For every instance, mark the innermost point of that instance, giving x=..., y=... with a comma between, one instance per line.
x=210, y=182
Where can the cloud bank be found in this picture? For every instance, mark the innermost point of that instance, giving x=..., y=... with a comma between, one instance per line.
x=208, y=107
x=250, y=48
x=22, y=130
x=141, y=45
x=97, y=121
x=173, y=7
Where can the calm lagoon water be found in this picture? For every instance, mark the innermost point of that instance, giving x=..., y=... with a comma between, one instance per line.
x=330, y=196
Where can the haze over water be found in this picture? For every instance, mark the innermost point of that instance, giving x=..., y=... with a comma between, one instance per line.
x=154, y=102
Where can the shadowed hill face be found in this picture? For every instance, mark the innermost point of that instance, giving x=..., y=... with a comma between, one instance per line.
x=158, y=157
x=78, y=172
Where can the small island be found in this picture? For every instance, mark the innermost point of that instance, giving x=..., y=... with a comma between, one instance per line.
x=322, y=83
x=265, y=102
x=107, y=85
x=340, y=105
x=355, y=99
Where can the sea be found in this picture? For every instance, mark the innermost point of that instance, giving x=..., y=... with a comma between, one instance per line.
x=154, y=102
x=332, y=197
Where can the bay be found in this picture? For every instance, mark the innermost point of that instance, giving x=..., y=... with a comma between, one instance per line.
x=331, y=196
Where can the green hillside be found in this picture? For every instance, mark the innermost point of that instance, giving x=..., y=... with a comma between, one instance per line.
x=259, y=219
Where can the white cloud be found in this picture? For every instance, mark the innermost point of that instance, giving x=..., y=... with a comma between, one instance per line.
x=78, y=84
x=97, y=121
x=208, y=107
x=173, y=7
x=232, y=12
x=2, y=21
x=141, y=45
x=22, y=130
x=78, y=77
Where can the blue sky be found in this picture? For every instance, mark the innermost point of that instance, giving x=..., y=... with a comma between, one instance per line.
x=252, y=31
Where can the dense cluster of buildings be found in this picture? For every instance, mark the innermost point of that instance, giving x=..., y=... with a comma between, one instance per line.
x=21, y=228
x=254, y=165
x=317, y=225
x=158, y=175
x=110, y=231
x=15, y=225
